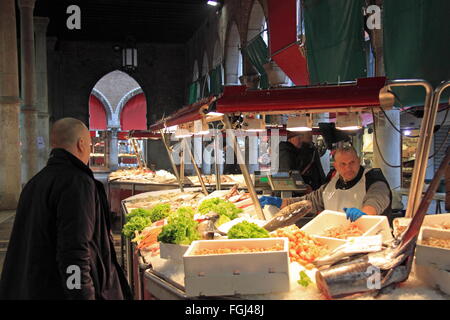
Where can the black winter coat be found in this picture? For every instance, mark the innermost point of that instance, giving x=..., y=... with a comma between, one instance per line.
x=292, y=158
x=61, y=245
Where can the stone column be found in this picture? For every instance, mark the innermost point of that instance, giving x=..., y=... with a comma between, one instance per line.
x=9, y=108
x=114, y=150
x=29, y=111
x=40, y=26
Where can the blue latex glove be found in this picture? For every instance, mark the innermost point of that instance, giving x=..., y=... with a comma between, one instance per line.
x=353, y=214
x=275, y=201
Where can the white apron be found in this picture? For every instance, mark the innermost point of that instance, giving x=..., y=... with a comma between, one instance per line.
x=337, y=199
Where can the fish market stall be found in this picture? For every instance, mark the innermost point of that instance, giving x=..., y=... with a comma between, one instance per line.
x=162, y=276
x=216, y=246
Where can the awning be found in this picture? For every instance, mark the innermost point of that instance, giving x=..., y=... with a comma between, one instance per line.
x=140, y=134
x=189, y=113
x=357, y=96
x=283, y=45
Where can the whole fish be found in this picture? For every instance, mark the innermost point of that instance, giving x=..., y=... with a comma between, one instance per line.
x=289, y=215
x=379, y=271
x=207, y=228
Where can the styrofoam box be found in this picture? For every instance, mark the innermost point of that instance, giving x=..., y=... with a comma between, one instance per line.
x=428, y=221
x=426, y=255
x=236, y=273
x=432, y=264
x=171, y=251
x=369, y=225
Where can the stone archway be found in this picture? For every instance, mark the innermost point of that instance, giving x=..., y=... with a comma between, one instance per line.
x=106, y=104
x=233, y=56
x=114, y=90
x=256, y=22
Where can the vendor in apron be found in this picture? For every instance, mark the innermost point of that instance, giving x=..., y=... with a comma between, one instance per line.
x=353, y=189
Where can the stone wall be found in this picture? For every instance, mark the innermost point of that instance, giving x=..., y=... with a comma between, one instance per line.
x=75, y=67
x=216, y=28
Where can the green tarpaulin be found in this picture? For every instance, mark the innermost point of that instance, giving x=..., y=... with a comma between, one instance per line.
x=334, y=32
x=258, y=54
x=215, y=79
x=193, y=93
x=417, y=44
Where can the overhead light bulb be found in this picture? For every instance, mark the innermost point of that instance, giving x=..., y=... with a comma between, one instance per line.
x=213, y=3
x=183, y=132
x=348, y=122
x=172, y=129
x=299, y=124
x=254, y=125
x=213, y=113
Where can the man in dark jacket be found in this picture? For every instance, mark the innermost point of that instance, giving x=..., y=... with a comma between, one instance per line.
x=299, y=153
x=61, y=245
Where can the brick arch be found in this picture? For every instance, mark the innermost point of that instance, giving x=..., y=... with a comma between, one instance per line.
x=134, y=106
x=127, y=97
x=106, y=104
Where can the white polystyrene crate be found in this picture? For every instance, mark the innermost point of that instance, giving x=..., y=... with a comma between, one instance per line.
x=428, y=255
x=236, y=273
x=401, y=224
x=370, y=225
x=331, y=243
x=433, y=276
x=432, y=264
x=171, y=251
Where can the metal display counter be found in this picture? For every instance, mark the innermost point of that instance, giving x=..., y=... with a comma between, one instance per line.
x=167, y=283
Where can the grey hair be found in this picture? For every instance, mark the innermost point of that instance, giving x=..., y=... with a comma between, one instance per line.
x=345, y=148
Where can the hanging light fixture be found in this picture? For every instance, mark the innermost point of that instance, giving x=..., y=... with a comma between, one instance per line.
x=183, y=131
x=213, y=3
x=129, y=55
x=254, y=125
x=172, y=129
x=348, y=122
x=299, y=124
x=201, y=127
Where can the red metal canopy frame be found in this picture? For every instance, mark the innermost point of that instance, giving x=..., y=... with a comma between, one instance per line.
x=186, y=114
x=354, y=96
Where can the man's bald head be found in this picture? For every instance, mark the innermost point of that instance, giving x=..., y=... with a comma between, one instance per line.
x=66, y=132
x=72, y=135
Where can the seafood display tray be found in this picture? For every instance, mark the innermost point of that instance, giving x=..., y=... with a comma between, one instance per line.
x=369, y=225
x=432, y=264
x=236, y=273
x=430, y=220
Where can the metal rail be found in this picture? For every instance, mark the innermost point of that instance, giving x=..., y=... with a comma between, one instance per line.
x=174, y=167
x=423, y=147
x=197, y=171
x=216, y=161
x=244, y=169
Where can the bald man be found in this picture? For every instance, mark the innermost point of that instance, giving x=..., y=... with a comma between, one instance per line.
x=61, y=245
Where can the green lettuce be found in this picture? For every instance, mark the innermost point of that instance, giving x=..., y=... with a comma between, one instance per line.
x=219, y=206
x=247, y=230
x=181, y=228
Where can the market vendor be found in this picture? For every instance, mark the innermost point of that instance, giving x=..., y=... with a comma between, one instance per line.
x=299, y=153
x=353, y=189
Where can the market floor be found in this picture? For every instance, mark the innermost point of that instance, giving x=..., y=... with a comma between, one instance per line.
x=6, y=225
